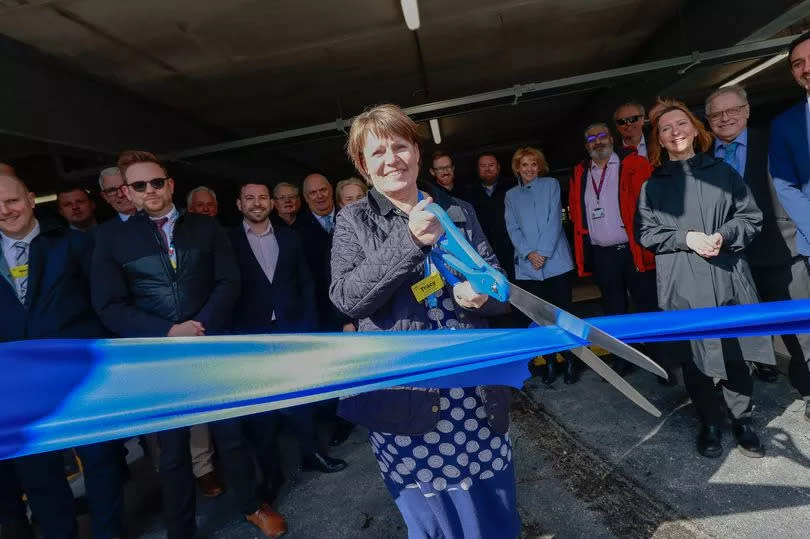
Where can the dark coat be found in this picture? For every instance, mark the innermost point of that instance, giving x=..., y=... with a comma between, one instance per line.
x=775, y=246
x=138, y=294
x=375, y=260
x=57, y=305
x=706, y=195
x=490, y=211
x=291, y=295
x=317, y=245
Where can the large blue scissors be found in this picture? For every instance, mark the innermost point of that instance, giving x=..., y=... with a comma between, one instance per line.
x=454, y=251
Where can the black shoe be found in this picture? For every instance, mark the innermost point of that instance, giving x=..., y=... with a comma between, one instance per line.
x=570, y=374
x=747, y=439
x=807, y=411
x=343, y=430
x=709, y=441
x=766, y=373
x=321, y=463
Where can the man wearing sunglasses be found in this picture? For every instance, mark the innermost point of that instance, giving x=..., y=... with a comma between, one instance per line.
x=629, y=119
x=162, y=274
x=602, y=200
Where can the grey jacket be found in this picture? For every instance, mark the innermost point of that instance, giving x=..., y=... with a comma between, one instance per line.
x=375, y=260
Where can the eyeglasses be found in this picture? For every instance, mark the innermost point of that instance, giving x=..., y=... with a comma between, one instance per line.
x=156, y=183
x=112, y=190
x=731, y=112
x=286, y=197
x=604, y=135
x=629, y=120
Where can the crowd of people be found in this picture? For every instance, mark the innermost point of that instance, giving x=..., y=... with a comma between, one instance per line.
x=665, y=213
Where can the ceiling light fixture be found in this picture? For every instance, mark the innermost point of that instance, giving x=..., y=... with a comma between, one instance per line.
x=434, y=130
x=754, y=70
x=410, y=9
x=45, y=198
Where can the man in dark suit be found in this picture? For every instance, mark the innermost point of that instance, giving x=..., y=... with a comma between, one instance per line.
x=314, y=226
x=278, y=296
x=162, y=274
x=44, y=294
x=779, y=271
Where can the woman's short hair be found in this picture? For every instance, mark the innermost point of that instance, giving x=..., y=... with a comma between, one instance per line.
x=349, y=181
x=386, y=120
x=703, y=140
x=520, y=153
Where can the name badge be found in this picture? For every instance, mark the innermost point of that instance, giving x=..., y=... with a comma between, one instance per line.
x=427, y=286
x=597, y=213
x=20, y=272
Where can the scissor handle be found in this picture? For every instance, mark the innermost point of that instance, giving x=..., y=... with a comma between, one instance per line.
x=456, y=252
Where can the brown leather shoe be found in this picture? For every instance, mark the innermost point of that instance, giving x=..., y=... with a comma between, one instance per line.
x=271, y=523
x=210, y=486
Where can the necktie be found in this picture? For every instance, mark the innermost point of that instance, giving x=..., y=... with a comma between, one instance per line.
x=160, y=223
x=730, y=156
x=328, y=225
x=21, y=258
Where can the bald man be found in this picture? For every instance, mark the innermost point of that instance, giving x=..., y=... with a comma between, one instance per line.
x=6, y=170
x=55, y=305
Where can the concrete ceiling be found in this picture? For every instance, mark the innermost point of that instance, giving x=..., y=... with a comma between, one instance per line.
x=235, y=68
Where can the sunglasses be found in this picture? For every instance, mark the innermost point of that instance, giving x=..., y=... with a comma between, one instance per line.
x=156, y=183
x=599, y=136
x=629, y=120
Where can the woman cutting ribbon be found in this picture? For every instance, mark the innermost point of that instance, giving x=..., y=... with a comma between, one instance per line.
x=444, y=454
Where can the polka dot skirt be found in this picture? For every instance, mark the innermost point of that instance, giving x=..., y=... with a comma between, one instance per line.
x=460, y=453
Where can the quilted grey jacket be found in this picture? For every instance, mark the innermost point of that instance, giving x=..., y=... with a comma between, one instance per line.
x=375, y=260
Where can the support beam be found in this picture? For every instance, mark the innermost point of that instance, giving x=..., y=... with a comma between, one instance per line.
x=532, y=90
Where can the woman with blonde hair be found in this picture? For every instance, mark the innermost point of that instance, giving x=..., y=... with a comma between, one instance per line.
x=543, y=260
x=697, y=215
x=445, y=454
x=350, y=190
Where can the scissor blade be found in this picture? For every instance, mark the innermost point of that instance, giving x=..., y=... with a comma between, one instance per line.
x=543, y=312
x=601, y=368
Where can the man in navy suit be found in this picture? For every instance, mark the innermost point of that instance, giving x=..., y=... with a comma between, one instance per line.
x=45, y=294
x=278, y=296
x=789, y=162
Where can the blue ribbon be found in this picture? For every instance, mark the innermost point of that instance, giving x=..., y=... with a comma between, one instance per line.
x=56, y=394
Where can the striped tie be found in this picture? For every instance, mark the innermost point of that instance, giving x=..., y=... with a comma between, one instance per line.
x=21, y=258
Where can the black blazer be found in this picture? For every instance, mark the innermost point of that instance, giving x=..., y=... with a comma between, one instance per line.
x=57, y=304
x=776, y=244
x=291, y=294
x=490, y=211
x=317, y=244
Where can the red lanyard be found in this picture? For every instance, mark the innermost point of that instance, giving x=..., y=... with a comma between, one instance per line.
x=598, y=190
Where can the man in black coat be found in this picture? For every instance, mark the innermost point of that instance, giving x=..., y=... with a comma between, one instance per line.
x=779, y=271
x=161, y=274
x=44, y=294
x=314, y=226
x=278, y=296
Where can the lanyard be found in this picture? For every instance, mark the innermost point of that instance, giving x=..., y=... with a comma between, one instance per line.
x=431, y=300
x=598, y=190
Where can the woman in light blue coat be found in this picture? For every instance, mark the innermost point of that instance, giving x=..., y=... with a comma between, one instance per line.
x=543, y=260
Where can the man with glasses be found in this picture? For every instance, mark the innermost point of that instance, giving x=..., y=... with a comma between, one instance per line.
x=162, y=274
x=111, y=185
x=629, y=119
x=789, y=164
x=602, y=199
x=287, y=203
x=444, y=172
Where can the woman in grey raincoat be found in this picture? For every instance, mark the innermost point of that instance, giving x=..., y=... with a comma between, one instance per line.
x=698, y=216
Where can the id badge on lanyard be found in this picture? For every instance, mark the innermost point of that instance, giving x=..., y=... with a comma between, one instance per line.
x=598, y=212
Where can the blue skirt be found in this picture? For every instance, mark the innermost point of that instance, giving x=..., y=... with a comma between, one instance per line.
x=456, y=481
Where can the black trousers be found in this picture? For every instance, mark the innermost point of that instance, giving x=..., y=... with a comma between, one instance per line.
x=784, y=283
x=556, y=290
x=737, y=389
x=177, y=479
x=616, y=276
x=12, y=508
